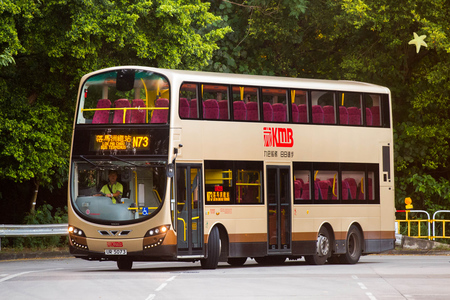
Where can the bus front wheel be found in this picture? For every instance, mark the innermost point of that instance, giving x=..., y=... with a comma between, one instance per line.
x=124, y=264
x=212, y=259
x=323, y=251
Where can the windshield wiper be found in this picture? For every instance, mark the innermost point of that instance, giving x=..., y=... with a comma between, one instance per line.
x=96, y=166
x=122, y=160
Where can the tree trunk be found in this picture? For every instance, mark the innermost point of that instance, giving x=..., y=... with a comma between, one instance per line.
x=34, y=197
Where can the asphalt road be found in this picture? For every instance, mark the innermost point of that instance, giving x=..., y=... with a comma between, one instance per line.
x=374, y=277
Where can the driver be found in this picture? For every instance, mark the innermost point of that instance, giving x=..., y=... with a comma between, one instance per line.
x=113, y=188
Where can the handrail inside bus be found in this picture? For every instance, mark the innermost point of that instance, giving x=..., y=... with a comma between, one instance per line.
x=157, y=194
x=135, y=189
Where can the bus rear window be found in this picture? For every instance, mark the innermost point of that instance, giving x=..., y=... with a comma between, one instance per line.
x=124, y=97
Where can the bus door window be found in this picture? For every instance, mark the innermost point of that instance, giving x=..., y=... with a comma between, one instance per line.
x=275, y=105
x=373, y=105
x=300, y=109
x=323, y=107
x=189, y=208
x=326, y=185
x=350, y=108
x=249, y=96
x=279, y=207
x=188, y=101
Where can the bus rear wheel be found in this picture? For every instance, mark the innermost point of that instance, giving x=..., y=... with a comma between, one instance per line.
x=354, y=246
x=236, y=261
x=212, y=259
x=124, y=264
x=323, y=251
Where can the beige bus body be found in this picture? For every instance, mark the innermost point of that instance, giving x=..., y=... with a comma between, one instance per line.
x=240, y=224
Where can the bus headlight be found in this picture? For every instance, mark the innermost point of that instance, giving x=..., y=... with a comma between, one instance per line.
x=77, y=238
x=157, y=230
x=155, y=236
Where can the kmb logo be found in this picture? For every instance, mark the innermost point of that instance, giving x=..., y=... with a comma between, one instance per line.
x=114, y=244
x=278, y=137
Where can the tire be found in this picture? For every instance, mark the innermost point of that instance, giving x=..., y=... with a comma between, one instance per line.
x=237, y=261
x=323, y=249
x=213, y=250
x=124, y=264
x=353, y=245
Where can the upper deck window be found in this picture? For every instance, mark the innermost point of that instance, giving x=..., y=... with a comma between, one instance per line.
x=124, y=96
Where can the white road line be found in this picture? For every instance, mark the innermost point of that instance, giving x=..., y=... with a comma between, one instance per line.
x=23, y=273
x=362, y=285
x=371, y=297
x=355, y=277
x=161, y=287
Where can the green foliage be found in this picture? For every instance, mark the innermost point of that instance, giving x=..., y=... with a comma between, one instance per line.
x=45, y=48
x=34, y=143
x=435, y=194
x=42, y=215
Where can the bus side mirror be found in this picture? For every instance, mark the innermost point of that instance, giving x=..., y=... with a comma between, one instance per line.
x=170, y=170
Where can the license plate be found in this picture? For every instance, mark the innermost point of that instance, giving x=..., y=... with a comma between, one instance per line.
x=116, y=251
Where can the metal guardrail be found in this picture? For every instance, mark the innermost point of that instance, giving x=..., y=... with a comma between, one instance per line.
x=32, y=230
x=428, y=221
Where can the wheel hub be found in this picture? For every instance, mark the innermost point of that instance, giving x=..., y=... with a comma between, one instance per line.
x=323, y=245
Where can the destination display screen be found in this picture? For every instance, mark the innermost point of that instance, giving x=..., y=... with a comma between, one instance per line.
x=123, y=141
x=119, y=142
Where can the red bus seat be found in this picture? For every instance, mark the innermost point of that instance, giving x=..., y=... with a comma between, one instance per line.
x=184, y=108
x=343, y=115
x=102, y=116
x=138, y=116
x=268, y=112
x=317, y=114
x=160, y=116
x=223, y=110
x=118, y=114
x=210, y=109
x=328, y=115
x=239, y=110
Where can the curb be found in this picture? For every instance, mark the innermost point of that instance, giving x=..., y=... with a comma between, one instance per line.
x=35, y=255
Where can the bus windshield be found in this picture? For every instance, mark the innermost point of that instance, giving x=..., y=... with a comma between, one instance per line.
x=117, y=190
x=124, y=96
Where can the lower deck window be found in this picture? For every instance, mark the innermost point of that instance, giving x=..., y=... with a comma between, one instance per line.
x=233, y=182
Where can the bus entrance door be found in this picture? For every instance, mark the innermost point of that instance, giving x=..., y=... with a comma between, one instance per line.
x=189, y=210
x=278, y=209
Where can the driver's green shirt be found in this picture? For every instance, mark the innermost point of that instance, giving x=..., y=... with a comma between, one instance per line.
x=112, y=189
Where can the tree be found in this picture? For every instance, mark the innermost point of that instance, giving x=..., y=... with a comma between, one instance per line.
x=45, y=48
x=364, y=40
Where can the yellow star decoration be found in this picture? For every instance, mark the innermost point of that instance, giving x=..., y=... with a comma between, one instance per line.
x=418, y=41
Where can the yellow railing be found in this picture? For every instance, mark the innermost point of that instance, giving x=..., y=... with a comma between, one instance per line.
x=185, y=227
x=414, y=224
x=125, y=109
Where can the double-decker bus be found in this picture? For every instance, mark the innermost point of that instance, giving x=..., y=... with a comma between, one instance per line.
x=170, y=165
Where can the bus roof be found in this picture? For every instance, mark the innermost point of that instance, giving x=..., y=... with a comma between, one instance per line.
x=258, y=80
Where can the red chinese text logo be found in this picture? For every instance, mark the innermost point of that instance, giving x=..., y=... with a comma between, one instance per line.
x=278, y=137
